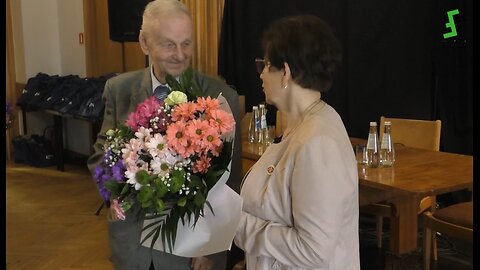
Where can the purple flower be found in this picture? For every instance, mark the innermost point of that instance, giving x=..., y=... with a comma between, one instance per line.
x=9, y=108
x=8, y=114
x=105, y=173
x=101, y=175
x=118, y=171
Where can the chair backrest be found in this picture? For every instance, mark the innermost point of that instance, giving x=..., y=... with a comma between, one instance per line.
x=423, y=134
x=241, y=101
x=455, y=221
x=245, y=124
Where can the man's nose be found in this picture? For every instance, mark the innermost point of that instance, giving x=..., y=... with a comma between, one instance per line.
x=179, y=53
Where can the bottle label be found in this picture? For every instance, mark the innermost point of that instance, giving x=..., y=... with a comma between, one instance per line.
x=385, y=141
x=263, y=122
x=371, y=144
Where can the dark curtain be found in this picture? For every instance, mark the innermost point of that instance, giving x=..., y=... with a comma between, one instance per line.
x=396, y=62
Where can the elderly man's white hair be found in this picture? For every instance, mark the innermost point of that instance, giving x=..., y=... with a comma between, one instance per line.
x=157, y=8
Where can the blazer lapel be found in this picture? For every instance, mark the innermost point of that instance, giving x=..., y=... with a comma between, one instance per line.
x=145, y=90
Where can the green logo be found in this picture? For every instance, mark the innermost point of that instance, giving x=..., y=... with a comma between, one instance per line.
x=451, y=24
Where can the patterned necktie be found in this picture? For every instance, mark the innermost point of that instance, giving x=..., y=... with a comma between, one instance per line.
x=161, y=92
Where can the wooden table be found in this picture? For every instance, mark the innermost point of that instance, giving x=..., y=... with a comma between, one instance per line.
x=417, y=173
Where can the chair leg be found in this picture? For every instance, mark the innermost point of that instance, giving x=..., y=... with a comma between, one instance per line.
x=379, y=228
x=427, y=241
x=99, y=209
x=434, y=243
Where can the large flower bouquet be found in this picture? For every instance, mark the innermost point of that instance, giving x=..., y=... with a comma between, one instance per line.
x=167, y=157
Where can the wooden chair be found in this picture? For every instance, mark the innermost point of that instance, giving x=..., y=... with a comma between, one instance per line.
x=244, y=124
x=280, y=123
x=240, y=265
x=455, y=221
x=423, y=134
x=241, y=101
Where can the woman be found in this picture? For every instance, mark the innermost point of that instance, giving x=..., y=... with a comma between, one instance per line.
x=301, y=197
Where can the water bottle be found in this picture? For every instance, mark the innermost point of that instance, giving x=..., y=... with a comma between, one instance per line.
x=387, y=151
x=372, y=146
x=263, y=124
x=253, y=131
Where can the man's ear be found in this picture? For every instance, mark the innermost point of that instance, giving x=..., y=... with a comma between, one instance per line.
x=143, y=42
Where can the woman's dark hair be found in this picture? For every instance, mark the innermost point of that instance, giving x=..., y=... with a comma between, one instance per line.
x=309, y=47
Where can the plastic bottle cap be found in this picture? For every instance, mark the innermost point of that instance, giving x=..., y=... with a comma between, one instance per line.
x=373, y=124
x=261, y=105
x=255, y=107
x=388, y=123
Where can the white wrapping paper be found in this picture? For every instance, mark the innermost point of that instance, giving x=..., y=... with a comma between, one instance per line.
x=212, y=233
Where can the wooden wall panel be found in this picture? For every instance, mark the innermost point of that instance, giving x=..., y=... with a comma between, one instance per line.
x=134, y=57
x=11, y=94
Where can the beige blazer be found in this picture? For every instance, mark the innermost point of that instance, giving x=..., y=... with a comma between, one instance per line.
x=300, y=206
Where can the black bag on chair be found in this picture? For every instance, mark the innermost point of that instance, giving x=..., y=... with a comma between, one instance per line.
x=35, y=150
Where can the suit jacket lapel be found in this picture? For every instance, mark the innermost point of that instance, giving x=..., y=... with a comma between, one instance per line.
x=139, y=95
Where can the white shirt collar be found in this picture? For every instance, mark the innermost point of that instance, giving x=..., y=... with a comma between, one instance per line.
x=155, y=82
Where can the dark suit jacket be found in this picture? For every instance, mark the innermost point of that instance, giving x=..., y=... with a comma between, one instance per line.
x=121, y=95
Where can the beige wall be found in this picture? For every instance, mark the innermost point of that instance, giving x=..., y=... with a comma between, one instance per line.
x=46, y=40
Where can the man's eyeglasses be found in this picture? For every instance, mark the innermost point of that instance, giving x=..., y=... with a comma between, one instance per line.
x=260, y=64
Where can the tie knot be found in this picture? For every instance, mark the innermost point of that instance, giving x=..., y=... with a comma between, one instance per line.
x=161, y=92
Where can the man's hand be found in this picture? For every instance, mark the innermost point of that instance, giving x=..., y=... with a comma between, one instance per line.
x=116, y=211
x=202, y=263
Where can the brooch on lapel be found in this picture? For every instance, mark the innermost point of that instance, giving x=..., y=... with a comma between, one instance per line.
x=270, y=169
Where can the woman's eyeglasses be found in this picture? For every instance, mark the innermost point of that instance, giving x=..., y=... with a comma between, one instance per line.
x=260, y=64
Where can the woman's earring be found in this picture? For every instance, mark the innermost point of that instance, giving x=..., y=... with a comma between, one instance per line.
x=285, y=86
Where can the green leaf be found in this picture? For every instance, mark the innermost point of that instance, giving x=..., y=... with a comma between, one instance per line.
x=155, y=236
x=114, y=187
x=125, y=190
x=154, y=232
x=210, y=179
x=145, y=195
x=142, y=177
x=156, y=215
x=195, y=182
x=222, y=161
x=199, y=199
x=158, y=222
x=159, y=205
x=182, y=201
x=125, y=132
x=174, y=85
x=195, y=90
x=147, y=204
x=177, y=180
x=186, y=78
x=126, y=205
x=160, y=187
x=210, y=207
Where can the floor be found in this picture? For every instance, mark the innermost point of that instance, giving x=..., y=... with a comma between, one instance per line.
x=51, y=225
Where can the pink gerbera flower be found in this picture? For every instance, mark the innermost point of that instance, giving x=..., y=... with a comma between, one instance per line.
x=184, y=111
x=178, y=139
x=208, y=104
x=202, y=164
x=211, y=142
x=222, y=120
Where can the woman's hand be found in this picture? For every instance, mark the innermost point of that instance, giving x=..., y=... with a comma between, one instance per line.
x=202, y=263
